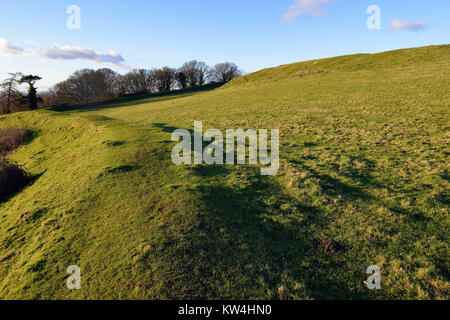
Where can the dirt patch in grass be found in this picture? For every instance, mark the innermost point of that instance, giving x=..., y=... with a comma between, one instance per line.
x=12, y=138
x=305, y=73
x=121, y=169
x=114, y=143
x=331, y=246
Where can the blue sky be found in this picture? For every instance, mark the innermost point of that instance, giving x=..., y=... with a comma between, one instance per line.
x=254, y=34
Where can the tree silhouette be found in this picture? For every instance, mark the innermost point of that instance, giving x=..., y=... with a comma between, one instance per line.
x=225, y=72
x=181, y=79
x=9, y=90
x=32, y=98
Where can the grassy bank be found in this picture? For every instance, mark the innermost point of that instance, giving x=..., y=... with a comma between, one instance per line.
x=364, y=162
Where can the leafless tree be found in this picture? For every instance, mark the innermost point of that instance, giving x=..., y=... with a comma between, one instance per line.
x=196, y=72
x=86, y=86
x=121, y=85
x=80, y=88
x=190, y=70
x=225, y=72
x=164, y=78
x=9, y=90
x=138, y=81
x=202, y=73
x=181, y=79
x=106, y=79
x=50, y=98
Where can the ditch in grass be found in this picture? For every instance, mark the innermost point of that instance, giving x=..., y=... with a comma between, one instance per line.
x=12, y=179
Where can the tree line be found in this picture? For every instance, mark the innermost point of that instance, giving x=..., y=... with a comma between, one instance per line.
x=88, y=86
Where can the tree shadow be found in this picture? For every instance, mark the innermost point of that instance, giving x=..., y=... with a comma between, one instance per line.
x=333, y=186
x=358, y=187
x=168, y=129
x=14, y=182
x=254, y=248
x=210, y=171
x=249, y=239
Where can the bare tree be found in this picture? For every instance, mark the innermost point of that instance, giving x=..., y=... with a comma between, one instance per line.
x=106, y=79
x=121, y=85
x=225, y=72
x=145, y=80
x=79, y=88
x=202, y=73
x=181, y=79
x=86, y=86
x=138, y=81
x=190, y=70
x=196, y=72
x=164, y=79
x=50, y=98
x=9, y=90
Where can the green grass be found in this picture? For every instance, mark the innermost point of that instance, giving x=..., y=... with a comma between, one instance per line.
x=364, y=162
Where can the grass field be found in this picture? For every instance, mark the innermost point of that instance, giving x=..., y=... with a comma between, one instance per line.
x=364, y=162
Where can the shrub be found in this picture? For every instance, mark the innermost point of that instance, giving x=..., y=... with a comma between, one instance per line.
x=12, y=179
x=11, y=139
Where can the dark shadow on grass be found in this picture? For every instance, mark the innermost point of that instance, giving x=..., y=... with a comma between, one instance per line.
x=237, y=246
x=166, y=128
x=261, y=248
x=332, y=186
x=356, y=184
x=114, y=143
x=211, y=171
x=15, y=181
x=444, y=198
x=121, y=169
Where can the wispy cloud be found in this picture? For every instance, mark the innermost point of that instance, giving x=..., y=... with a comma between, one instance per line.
x=397, y=25
x=306, y=8
x=73, y=53
x=63, y=53
x=7, y=50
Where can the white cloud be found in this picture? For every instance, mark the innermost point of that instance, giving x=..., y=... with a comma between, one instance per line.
x=306, y=8
x=72, y=53
x=7, y=50
x=397, y=25
x=64, y=53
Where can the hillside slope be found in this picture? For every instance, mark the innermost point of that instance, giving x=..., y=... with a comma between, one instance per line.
x=390, y=60
x=364, y=162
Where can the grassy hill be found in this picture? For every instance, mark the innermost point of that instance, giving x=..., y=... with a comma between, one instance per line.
x=364, y=162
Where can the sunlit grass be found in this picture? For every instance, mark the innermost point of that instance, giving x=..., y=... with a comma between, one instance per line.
x=364, y=162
